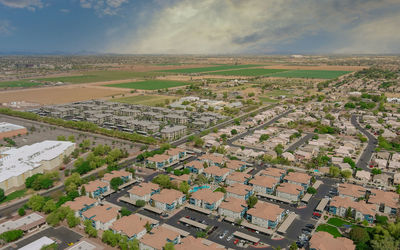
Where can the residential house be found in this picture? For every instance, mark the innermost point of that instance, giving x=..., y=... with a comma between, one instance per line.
x=132, y=226
x=81, y=204
x=235, y=165
x=213, y=159
x=359, y=210
x=264, y=184
x=193, y=243
x=233, y=208
x=159, y=161
x=289, y=191
x=196, y=167
x=124, y=175
x=266, y=215
x=205, y=198
x=96, y=188
x=216, y=173
x=325, y=241
x=237, y=177
x=298, y=178
x=239, y=191
x=396, y=179
x=386, y=202
x=176, y=153
x=102, y=217
x=143, y=191
x=353, y=191
x=168, y=199
x=363, y=175
x=158, y=237
x=276, y=173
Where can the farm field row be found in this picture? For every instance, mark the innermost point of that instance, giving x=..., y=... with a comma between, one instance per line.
x=88, y=77
x=149, y=84
x=209, y=69
x=148, y=100
x=314, y=74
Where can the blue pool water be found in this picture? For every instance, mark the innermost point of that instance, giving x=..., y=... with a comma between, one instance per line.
x=194, y=189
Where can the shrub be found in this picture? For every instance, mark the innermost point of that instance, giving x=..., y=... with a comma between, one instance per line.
x=11, y=235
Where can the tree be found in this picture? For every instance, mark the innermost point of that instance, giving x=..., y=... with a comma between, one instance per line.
x=21, y=211
x=148, y=227
x=334, y=171
x=36, y=202
x=359, y=234
x=376, y=171
x=346, y=174
x=125, y=211
x=349, y=161
x=89, y=229
x=263, y=137
x=381, y=219
x=49, y=206
x=11, y=235
x=234, y=132
x=140, y=203
x=163, y=180
x=72, y=220
x=83, y=191
x=169, y=246
x=116, y=182
x=252, y=201
x=293, y=246
x=311, y=190
x=2, y=196
x=184, y=187
x=279, y=149
x=349, y=213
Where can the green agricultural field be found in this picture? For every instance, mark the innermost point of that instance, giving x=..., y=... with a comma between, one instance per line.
x=315, y=74
x=330, y=229
x=149, y=100
x=209, y=69
x=249, y=72
x=149, y=84
x=87, y=77
x=19, y=84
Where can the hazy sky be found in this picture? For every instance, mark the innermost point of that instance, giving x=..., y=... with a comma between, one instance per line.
x=200, y=26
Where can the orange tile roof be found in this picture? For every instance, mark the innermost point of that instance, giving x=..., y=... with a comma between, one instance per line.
x=266, y=211
x=325, y=241
x=174, y=151
x=351, y=190
x=213, y=158
x=239, y=189
x=390, y=199
x=158, y=158
x=238, y=176
x=102, y=213
x=208, y=196
x=289, y=188
x=233, y=204
x=80, y=202
x=94, y=185
x=116, y=173
x=276, y=172
x=234, y=164
x=158, y=237
x=264, y=181
x=360, y=206
x=214, y=170
x=195, y=164
x=193, y=243
x=130, y=225
x=298, y=177
x=167, y=196
x=143, y=188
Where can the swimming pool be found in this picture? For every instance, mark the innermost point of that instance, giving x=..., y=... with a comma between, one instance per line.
x=194, y=189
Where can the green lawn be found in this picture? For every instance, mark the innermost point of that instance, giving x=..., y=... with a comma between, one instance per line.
x=329, y=229
x=20, y=84
x=149, y=84
x=149, y=100
x=15, y=195
x=249, y=72
x=209, y=69
x=316, y=74
x=338, y=222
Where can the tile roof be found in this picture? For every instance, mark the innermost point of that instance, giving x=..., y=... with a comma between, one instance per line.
x=80, y=202
x=325, y=241
x=239, y=189
x=167, y=196
x=214, y=170
x=158, y=237
x=351, y=190
x=360, y=206
x=238, y=176
x=266, y=211
x=276, y=172
x=289, y=188
x=94, y=185
x=208, y=196
x=130, y=225
x=298, y=177
x=264, y=181
x=116, y=173
x=390, y=199
x=143, y=188
x=102, y=213
x=233, y=204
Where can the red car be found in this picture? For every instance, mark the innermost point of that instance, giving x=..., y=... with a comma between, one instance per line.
x=255, y=244
x=317, y=214
x=236, y=241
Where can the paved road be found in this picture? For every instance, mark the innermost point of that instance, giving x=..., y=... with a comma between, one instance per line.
x=300, y=142
x=250, y=131
x=365, y=158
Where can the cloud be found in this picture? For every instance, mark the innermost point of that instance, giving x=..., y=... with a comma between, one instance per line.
x=103, y=7
x=21, y=4
x=5, y=28
x=255, y=26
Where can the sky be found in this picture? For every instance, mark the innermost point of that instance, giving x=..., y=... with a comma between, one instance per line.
x=200, y=26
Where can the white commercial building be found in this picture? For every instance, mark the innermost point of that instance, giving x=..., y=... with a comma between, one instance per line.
x=17, y=164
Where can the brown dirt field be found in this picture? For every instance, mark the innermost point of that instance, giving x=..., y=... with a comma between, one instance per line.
x=319, y=67
x=60, y=94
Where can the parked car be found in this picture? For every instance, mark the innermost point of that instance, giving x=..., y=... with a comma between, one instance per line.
x=310, y=226
x=229, y=237
x=236, y=241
